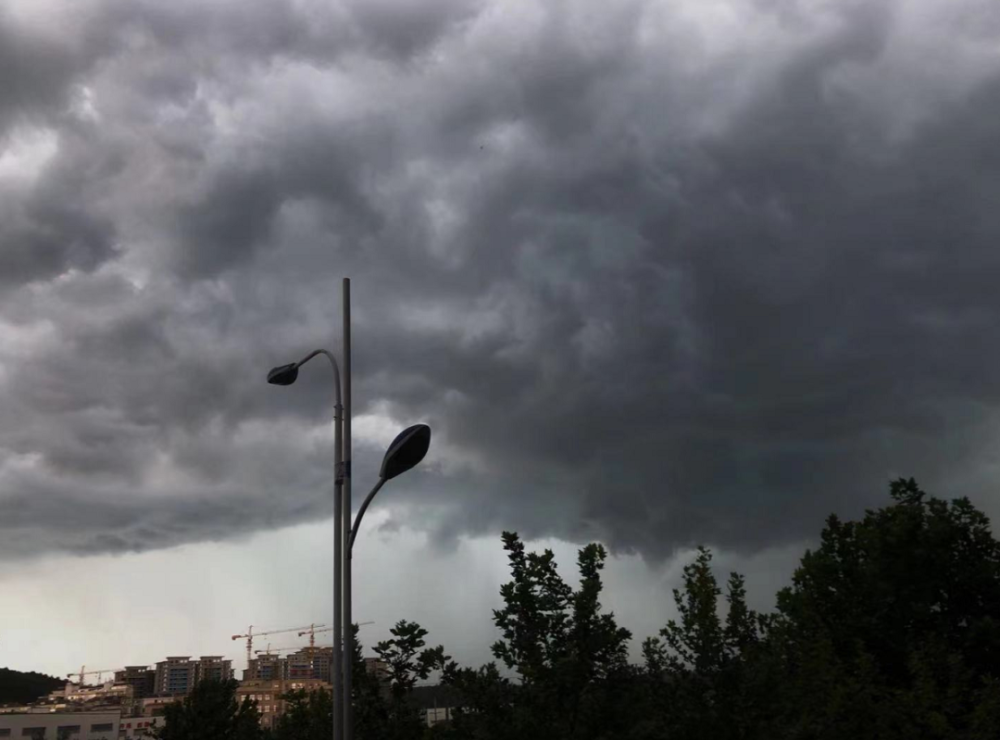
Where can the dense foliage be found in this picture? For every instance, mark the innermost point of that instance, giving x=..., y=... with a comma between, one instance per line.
x=890, y=629
x=211, y=712
x=20, y=688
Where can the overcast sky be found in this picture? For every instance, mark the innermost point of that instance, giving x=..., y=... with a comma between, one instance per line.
x=656, y=273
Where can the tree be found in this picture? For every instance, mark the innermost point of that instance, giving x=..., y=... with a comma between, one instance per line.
x=308, y=715
x=371, y=710
x=892, y=625
x=566, y=653
x=17, y=687
x=211, y=712
x=408, y=661
x=711, y=676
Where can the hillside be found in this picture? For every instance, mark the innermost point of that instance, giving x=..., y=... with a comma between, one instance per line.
x=19, y=688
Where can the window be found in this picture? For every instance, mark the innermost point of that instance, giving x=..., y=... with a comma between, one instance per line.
x=67, y=730
x=4, y=732
x=33, y=732
x=102, y=728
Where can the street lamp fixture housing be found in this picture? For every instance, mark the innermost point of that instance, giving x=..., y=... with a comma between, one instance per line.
x=406, y=451
x=283, y=375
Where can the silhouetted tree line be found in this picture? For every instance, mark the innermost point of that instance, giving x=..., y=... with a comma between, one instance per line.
x=17, y=687
x=889, y=629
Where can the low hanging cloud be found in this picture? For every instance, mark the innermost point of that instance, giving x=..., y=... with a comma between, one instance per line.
x=656, y=273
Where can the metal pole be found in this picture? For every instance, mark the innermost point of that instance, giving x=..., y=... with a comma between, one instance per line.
x=338, y=556
x=348, y=624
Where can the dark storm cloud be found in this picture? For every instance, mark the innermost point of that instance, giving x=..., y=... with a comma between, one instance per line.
x=655, y=274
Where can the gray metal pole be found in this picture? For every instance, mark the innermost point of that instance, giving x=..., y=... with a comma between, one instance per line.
x=338, y=560
x=339, y=541
x=348, y=623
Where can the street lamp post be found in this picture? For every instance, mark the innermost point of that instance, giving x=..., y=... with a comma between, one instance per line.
x=348, y=660
x=406, y=451
x=286, y=375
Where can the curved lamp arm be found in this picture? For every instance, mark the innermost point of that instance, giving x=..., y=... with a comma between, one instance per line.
x=336, y=376
x=361, y=513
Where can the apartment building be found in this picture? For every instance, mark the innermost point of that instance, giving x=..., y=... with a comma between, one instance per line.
x=213, y=668
x=141, y=678
x=177, y=675
x=268, y=695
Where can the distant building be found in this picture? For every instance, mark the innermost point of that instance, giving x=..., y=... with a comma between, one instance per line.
x=213, y=668
x=314, y=663
x=322, y=664
x=268, y=695
x=435, y=703
x=174, y=676
x=377, y=667
x=141, y=678
x=59, y=725
x=266, y=667
x=177, y=675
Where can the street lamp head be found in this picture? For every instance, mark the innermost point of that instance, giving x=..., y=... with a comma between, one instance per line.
x=283, y=375
x=406, y=451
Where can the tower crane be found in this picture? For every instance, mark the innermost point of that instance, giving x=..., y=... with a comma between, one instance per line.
x=84, y=672
x=251, y=634
x=312, y=632
x=290, y=647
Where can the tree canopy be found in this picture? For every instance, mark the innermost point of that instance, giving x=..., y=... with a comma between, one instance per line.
x=17, y=687
x=889, y=629
x=211, y=712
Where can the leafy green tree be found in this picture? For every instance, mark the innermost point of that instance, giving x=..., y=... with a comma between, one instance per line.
x=891, y=627
x=17, y=687
x=566, y=653
x=408, y=661
x=211, y=712
x=369, y=697
x=308, y=715
x=711, y=676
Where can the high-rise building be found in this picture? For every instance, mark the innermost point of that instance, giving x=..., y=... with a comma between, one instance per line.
x=177, y=675
x=213, y=668
x=312, y=663
x=140, y=677
x=266, y=667
x=174, y=676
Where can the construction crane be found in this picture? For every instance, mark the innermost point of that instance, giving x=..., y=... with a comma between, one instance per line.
x=251, y=634
x=291, y=647
x=312, y=632
x=84, y=672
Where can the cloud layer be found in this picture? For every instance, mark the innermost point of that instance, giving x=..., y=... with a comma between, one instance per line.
x=657, y=273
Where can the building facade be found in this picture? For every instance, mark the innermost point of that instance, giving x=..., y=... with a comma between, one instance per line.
x=155, y=706
x=435, y=703
x=61, y=726
x=177, y=675
x=378, y=668
x=312, y=663
x=266, y=667
x=139, y=728
x=268, y=695
x=174, y=676
x=213, y=668
x=141, y=678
